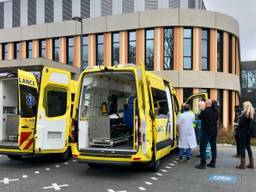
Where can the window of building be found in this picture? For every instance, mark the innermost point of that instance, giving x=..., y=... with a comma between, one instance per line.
x=191, y=4
x=55, y=102
x=85, y=8
x=168, y=48
x=70, y=50
x=220, y=51
x=132, y=47
x=115, y=48
x=128, y=6
x=42, y=47
x=29, y=49
x=15, y=13
x=204, y=90
x=151, y=4
x=16, y=50
x=187, y=92
x=187, y=49
x=67, y=10
x=85, y=52
x=205, y=50
x=55, y=49
x=244, y=76
x=251, y=75
x=4, y=51
x=220, y=99
x=230, y=54
x=100, y=49
x=149, y=53
x=160, y=103
x=31, y=12
x=48, y=11
x=1, y=15
x=106, y=7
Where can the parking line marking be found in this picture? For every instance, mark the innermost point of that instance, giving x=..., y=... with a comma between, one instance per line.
x=36, y=172
x=148, y=183
x=171, y=164
x=175, y=161
x=163, y=170
x=154, y=178
x=112, y=190
x=1, y=155
x=7, y=180
x=57, y=166
x=66, y=163
x=47, y=169
x=159, y=174
x=74, y=160
x=24, y=176
x=167, y=167
x=142, y=188
x=55, y=186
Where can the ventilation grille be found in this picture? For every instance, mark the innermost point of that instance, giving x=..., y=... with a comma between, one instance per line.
x=151, y=4
x=128, y=6
x=48, y=11
x=31, y=12
x=67, y=10
x=174, y=3
x=106, y=7
x=1, y=15
x=15, y=13
x=85, y=8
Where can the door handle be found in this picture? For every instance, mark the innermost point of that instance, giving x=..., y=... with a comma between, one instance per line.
x=24, y=127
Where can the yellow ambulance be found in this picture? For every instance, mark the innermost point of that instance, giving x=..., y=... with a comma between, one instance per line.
x=35, y=111
x=124, y=114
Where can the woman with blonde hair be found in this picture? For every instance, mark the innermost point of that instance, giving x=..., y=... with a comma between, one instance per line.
x=244, y=137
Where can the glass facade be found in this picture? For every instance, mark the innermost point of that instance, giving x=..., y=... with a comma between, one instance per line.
x=55, y=49
x=115, y=48
x=16, y=50
x=29, y=46
x=220, y=99
x=168, y=48
x=70, y=50
x=42, y=47
x=132, y=47
x=85, y=52
x=205, y=50
x=230, y=53
x=187, y=92
x=100, y=49
x=4, y=51
x=220, y=51
x=187, y=48
x=149, y=49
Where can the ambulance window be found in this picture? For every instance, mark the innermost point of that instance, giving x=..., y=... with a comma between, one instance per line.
x=160, y=103
x=28, y=101
x=55, y=102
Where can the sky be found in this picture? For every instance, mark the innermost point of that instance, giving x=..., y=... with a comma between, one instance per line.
x=244, y=11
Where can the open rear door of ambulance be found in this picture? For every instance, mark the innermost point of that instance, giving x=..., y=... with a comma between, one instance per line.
x=27, y=107
x=194, y=99
x=53, y=120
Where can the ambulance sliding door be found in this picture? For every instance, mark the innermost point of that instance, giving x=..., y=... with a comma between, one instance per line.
x=53, y=121
x=27, y=108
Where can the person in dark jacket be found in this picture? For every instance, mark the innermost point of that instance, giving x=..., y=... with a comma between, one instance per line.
x=244, y=136
x=237, y=115
x=209, y=118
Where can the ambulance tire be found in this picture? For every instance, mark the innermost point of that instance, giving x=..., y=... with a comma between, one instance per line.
x=65, y=156
x=154, y=165
x=14, y=157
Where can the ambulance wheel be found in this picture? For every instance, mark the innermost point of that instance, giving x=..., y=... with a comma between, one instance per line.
x=154, y=165
x=65, y=156
x=14, y=157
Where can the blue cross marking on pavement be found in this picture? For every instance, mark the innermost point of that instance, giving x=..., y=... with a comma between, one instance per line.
x=223, y=178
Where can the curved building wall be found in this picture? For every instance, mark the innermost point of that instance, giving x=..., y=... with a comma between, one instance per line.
x=196, y=50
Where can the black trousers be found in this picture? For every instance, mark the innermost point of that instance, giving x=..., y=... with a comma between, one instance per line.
x=245, y=144
x=208, y=137
x=237, y=144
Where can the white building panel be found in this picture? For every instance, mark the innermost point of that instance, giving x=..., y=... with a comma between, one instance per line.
x=8, y=14
x=39, y=11
x=139, y=5
x=117, y=7
x=163, y=4
x=57, y=10
x=76, y=8
x=95, y=8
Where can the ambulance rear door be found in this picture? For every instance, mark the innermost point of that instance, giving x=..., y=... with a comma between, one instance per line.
x=53, y=121
x=27, y=109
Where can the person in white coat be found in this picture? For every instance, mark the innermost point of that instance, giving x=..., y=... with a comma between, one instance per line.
x=186, y=133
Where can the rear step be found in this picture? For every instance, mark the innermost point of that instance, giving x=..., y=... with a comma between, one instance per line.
x=94, y=151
